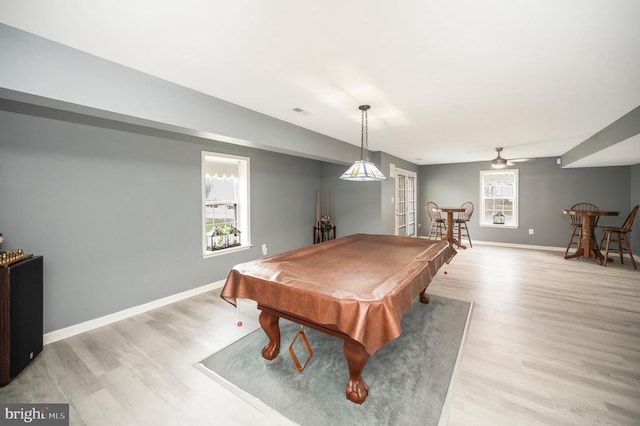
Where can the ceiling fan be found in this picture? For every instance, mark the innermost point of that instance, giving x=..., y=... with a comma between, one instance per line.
x=501, y=163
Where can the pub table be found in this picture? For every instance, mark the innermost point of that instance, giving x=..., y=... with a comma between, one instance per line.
x=450, y=211
x=588, y=246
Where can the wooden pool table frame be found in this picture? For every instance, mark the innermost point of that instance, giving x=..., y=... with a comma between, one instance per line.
x=356, y=355
x=361, y=299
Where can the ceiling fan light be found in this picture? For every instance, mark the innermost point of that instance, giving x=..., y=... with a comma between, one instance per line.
x=499, y=162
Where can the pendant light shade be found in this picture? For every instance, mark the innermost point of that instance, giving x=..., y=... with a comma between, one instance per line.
x=363, y=170
x=499, y=162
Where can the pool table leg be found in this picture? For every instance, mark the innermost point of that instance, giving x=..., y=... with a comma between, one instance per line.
x=357, y=357
x=270, y=326
x=424, y=297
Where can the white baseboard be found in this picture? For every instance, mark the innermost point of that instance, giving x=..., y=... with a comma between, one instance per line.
x=498, y=244
x=532, y=247
x=522, y=246
x=63, y=333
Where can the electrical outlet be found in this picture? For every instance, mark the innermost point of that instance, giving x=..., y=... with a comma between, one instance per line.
x=264, y=250
x=531, y=231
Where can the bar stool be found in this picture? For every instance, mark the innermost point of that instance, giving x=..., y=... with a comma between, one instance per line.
x=438, y=224
x=461, y=221
x=620, y=237
x=576, y=223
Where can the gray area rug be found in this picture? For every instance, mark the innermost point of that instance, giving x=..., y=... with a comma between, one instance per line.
x=408, y=378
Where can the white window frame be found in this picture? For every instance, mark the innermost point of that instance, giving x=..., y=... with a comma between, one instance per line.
x=244, y=210
x=485, y=214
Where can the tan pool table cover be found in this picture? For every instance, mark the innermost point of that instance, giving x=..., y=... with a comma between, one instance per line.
x=361, y=284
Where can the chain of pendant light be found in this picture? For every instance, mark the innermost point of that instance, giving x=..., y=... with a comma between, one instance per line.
x=364, y=138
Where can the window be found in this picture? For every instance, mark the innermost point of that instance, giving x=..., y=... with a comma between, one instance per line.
x=499, y=198
x=225, y=203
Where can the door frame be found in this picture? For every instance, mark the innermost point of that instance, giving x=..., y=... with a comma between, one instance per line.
x=407, y=204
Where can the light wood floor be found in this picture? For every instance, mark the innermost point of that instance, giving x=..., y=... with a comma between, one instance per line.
x=551, y=342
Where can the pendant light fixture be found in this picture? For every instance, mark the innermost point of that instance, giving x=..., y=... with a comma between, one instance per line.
x=363, y=170
x=499, y=162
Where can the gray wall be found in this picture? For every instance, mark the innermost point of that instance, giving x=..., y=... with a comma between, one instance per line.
x=635, y=200
x=364, y=206
x=68, y=79
x=356, y=204
x=117, y=215
x=545, y=189
x=622, y=129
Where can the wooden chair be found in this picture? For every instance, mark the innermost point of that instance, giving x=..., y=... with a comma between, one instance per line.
x=620, y=237
x=460, y=222
x=576, y=224
x=438, y=224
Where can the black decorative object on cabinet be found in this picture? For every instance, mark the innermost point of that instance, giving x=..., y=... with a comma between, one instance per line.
x=323, y=233
x=20, y=315
x=324, y=229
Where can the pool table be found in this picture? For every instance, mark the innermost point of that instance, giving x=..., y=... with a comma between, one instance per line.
x=356, y=288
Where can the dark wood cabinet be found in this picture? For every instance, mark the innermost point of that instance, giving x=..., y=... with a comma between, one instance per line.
x=21, y=315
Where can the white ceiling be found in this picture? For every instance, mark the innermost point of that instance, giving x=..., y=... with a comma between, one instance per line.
x=447, y=80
